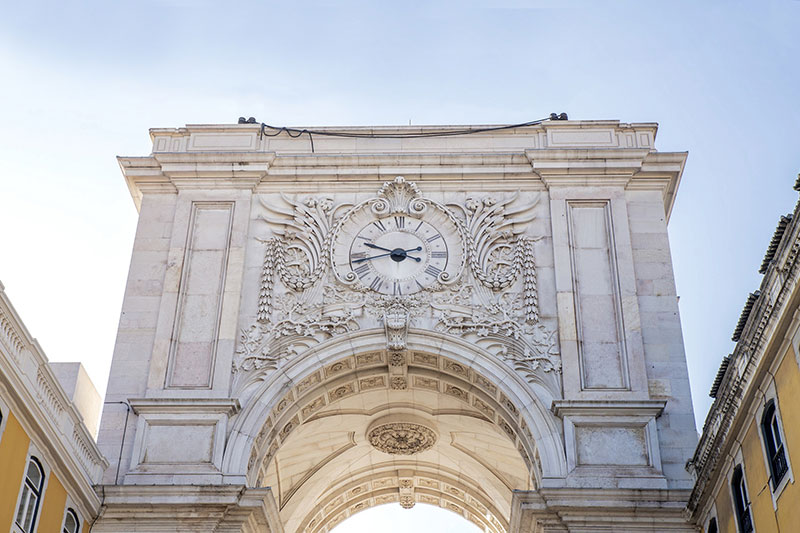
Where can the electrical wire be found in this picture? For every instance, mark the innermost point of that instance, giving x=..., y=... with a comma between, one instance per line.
x=274, y=131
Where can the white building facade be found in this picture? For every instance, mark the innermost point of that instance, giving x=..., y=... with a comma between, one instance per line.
x=482, y=319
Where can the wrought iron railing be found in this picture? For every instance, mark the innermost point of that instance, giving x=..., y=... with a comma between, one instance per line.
x=747, y=521
x=779, y=466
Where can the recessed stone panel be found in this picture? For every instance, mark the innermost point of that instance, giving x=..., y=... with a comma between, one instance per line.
x=178, y=444
x=619, y=446
x=596, y=292
x=202, y=284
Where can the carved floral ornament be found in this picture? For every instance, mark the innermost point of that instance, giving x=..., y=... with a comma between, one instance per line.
x=396, y=260
x=401, y=438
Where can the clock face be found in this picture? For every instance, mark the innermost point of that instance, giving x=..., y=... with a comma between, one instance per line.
x=398, y=255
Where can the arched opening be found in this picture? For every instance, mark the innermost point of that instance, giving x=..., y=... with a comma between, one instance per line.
x=368, y=427
x=392, y=518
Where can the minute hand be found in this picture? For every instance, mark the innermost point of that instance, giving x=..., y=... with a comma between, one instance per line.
x=368, y=258
x=370, y=245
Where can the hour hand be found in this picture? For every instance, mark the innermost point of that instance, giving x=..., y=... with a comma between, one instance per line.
x=375, y=246
x=362, y=259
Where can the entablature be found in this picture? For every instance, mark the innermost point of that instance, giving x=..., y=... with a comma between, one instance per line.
x=249, y=156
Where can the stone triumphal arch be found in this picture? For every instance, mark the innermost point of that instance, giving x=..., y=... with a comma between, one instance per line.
x=483, y=320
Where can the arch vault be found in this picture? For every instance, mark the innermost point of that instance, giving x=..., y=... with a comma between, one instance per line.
x=310, y=441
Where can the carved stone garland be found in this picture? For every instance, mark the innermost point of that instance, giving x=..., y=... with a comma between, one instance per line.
x=499, y=257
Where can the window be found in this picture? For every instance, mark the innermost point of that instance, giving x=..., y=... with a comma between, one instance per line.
x=776, y=454
x=71, y=522
x=31, y=494
x=712, y=526
x=740, y=501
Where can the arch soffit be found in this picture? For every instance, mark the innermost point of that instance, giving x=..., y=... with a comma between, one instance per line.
x=336, y=467
x=386, y=483
x=272, y=403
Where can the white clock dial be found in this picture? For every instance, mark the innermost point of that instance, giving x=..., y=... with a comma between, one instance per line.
x=398, y=254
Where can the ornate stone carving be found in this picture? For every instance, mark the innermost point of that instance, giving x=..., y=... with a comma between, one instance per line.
x=395, y=321
x=398, y=196
x=262, y=346
x=401, y=438
x=298, y=250
x=502, y=328
x=398, y=383
x=493, y=303
x=395, y=312
x=397, y=359
x=407, y=502
x=494, y=230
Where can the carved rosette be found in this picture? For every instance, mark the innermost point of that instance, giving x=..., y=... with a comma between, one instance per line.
x=401, y=438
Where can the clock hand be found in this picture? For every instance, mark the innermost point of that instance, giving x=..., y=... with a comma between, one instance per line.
x=368, y=258
x=370, y=245
x=417, y=259
x=417, y=249
x=398, y=254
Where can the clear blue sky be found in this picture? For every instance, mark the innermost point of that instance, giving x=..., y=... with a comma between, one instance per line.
x=83, y=81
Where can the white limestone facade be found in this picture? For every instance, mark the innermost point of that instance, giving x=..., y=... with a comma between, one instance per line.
x=319, y=323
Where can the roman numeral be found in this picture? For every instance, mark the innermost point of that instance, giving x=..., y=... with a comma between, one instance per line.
x=439, y=255
x=420, y=285
x=433, y=271
x=376, y=284
x=419, y=225
x=363, y=238
x=378, y=224
x=396, y=289
x=358, y=255
x=361, y=270
x=437, y=236
x=400, y=222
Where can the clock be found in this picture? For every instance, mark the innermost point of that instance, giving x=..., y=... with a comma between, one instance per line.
x=399, y=253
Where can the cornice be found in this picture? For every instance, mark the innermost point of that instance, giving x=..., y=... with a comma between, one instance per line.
x=563, y=408
x=226, y=406
x=198, y=507
x=550, y=154
x=633, y=169
x=758, y=344
x=44, y=409
x=608, y=506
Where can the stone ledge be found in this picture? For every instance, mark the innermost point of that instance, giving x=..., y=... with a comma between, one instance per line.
x=629, y=510
x=563, y=408
x=187, y=508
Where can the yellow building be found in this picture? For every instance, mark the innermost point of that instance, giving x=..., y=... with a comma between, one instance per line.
x=743, y=463
x=48, y=458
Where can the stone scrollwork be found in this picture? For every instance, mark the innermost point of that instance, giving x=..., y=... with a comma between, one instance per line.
x=498, y=251
x=264, y=346
x=492, y=301
x=299, y=248
x=502, y=328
